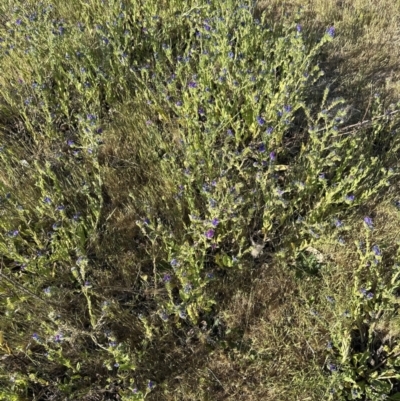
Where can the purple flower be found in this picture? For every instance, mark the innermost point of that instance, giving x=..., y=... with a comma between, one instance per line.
x=201, y=111
x=192, y=84
x=35, y=336
x=47, y=200
x=116, y=364
x=368, y=222
x=298, y=27
x=210, y=234
x=229, y=132
x=18, y=21
x=230, y=55
x=13, y=233
x=215, y=222
x=376, y=250
x=179, y=103
x=272, y=156
x=287, y=108
x=210, y=275
x=269, y=130
x=350, y=198
x=60, y=208
x=332, y=367
x=338, y=223
x=174, y=263
x=330, y=299
x=331, y=31
x=164, y=316
x=260, y=120
x=167, y=278
x=150, y=384
x=322, y=176
x=58, y=338
x=261, y=148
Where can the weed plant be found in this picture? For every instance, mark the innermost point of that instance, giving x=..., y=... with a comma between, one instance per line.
x=183, y=217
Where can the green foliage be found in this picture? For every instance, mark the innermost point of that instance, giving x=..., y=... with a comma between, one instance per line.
x=194, y=123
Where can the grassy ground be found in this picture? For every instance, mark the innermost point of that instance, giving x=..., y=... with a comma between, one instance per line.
x=199, y=200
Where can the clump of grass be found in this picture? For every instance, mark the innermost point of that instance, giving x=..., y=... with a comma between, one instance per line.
x=166, y=169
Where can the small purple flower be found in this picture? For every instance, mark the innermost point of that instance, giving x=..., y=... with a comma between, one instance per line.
x=164, y=316
x=350, y=198
x=269, y=130
x=201, y=111
x=70, y=142
x=272, y=156
x=182, y=314
x=150, y=385
x=91, y=117
x=332, y=367
x=192, y=84
x=322, y=176
x=338, y=223
x=229, y=132
x=174, y=263
x=18, y=21
x=35, y=336
x=368, y=222
x=60, y=208
x=230, y=55
x=58, y=338
x=369, y=295
x=330, y=299
x=179, y=103
x=260, y=120
x=47, y=200
x=210, y=276
x=116, y=364
x=331, y=31
x=329, y=345
x=298, y=27
x=210, y=234
x=76, y=216
x=287, y=108
x=167, y=278
x=13, y=233
x=215, y=222
x=376, y=250
x=261, y=148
